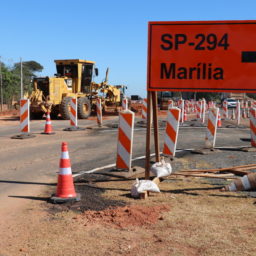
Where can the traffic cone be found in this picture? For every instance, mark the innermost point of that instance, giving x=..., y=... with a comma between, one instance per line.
x=185, y=115
x=48, y=125
x=219, y=120
x=65, y=188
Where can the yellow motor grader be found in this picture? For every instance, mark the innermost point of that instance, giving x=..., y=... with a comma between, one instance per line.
x=74, y=78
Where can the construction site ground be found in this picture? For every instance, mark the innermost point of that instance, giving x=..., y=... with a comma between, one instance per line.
x=191, y=216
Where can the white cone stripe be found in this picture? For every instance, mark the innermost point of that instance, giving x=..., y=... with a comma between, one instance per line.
x=126, y=128
x=232, y=187
x=24, y=108
x=65, y=171
x=64, y=155
x=48, y=122
x=246, y=182
x=126, y=157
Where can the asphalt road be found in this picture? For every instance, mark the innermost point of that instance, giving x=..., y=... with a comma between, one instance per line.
x=30, y=166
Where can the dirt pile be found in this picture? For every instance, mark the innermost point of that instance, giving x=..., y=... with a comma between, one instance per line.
x=121, y=217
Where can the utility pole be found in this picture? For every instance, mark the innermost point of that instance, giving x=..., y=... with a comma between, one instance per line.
x=1, y=84
x=21, y=80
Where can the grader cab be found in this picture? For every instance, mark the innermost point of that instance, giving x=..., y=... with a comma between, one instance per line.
x=74, y=78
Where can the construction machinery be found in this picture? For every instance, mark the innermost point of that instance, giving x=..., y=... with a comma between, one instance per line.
x=74, y=79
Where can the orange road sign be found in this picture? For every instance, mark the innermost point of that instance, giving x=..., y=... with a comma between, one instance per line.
x=214, y=56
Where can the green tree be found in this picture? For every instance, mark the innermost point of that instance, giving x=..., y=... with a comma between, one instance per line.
x=30, y=70
x=11, y=79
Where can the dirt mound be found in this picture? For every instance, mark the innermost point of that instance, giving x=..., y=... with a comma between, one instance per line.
x=133, y=215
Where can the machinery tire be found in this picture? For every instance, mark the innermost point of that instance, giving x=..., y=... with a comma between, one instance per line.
x=65, y=108
x=83, y=108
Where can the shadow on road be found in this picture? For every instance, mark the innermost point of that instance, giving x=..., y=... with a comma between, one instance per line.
x=45, y=199
x=28, y=182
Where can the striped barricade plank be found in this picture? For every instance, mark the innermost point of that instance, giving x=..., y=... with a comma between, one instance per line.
x=124, y=104
x=211, y=127
x=171, y=131
x=125, y=140
x=24, y=116
x=73, y=112
x=144, y=109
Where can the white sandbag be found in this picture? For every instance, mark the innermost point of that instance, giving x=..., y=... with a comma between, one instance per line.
x=161, y=169
x=143, y=185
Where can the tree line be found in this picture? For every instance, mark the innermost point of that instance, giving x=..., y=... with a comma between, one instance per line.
x=11, y=79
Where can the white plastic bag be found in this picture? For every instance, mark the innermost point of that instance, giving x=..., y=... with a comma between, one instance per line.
x=143, y=185
x=161, y=169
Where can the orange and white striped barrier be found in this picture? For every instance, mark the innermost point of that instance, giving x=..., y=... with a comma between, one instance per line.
x=203, y=110
x=24, y=116
x=124, y=104
x=198, y=109
x=238, y=113
x=248, y=113
x=211, y=127
x=125, y=140
x=99, y=112
x=180, y=105
x=65, y=187
x=170, y=104
x=171, y=131
x=225, y=109
x=243, y=113
x=144, y=109
x=48, y=125
x=253, y=126
x=73, y=112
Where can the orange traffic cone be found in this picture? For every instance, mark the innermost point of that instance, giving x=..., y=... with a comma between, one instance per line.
x=219, y=120
x=185, y=115
x=48, y=125
x=65, y=187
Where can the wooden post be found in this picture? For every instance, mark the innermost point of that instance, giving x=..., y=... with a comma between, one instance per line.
x=148, y=136
x=155, y=122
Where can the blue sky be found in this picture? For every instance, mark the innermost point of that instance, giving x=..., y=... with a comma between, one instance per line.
x=113, y=33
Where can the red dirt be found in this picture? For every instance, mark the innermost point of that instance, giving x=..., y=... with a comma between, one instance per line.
x=121, y=217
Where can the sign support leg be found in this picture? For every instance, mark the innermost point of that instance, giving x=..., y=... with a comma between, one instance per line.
x=148, y=135
x=155, y=122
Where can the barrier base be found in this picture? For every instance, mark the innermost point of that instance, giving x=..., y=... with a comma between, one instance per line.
x=249, y=149
x=60, y=200
x=23, y=136
x=73, y=129
x=48, y=133
x=205, y=151
x=120, y=173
